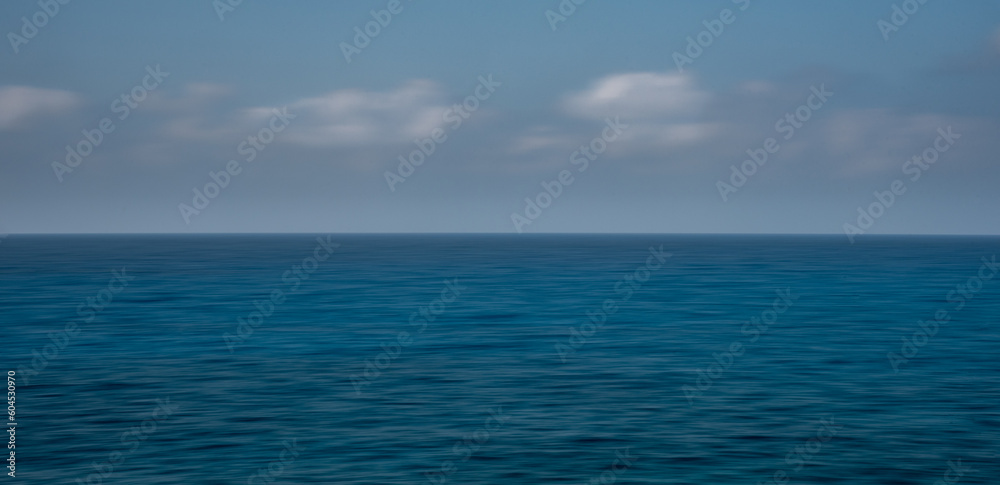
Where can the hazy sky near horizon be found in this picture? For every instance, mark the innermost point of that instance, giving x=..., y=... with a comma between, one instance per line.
x=501, y=96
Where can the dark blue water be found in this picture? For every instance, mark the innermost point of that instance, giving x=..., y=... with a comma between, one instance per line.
x=149, y=376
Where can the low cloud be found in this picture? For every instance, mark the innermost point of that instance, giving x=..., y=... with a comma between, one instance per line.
x=865, y=141
x=676, y=126
x=25, y=104
x=639, y=96
x=353, y=117
x=341, y=118
x=661, y=110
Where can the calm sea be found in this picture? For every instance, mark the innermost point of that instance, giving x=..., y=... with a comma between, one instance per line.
x=406, y=359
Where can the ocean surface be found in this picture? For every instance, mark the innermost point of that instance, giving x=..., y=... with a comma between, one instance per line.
x=490, y=359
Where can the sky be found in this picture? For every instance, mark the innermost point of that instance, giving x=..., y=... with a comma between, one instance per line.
x=722, y=116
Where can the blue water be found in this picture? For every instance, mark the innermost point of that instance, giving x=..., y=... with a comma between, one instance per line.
x=484, y=393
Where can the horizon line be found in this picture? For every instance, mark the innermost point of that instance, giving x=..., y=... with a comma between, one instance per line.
x=490, y=233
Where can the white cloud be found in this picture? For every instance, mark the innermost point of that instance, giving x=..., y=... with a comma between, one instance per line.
x=875, y=140
x=347, y=117
x=359, y=117
x=662, y=110
x=638, y=96
x=682, y=126
x=19, y=104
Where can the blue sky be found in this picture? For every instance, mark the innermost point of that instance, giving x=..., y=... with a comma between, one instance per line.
x=553, y=91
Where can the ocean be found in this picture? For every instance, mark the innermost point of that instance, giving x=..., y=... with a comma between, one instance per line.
x=502, y=359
